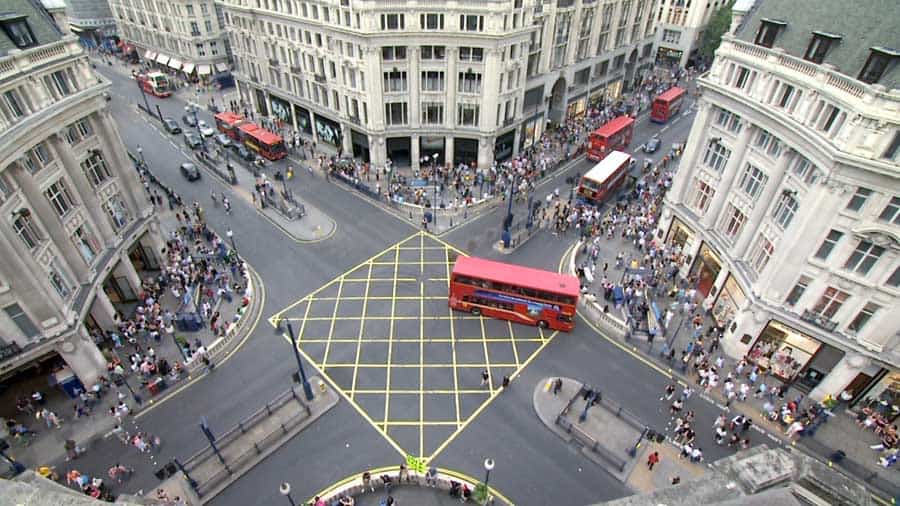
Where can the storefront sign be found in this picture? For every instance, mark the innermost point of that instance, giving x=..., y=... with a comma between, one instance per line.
x=281, y=109
x=327, y=130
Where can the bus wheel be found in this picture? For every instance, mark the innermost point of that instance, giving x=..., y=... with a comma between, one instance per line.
x=542, y=324
x=476, y=311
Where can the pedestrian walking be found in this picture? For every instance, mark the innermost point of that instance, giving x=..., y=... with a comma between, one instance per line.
x=557, y=386
x=485, y=377
x=367, y=481
x=670, y=391
x=431, y=476
x=652, y=460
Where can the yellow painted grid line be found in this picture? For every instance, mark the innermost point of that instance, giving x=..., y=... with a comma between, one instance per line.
x=362, y=325
x=487, y=358
x=416, y=366
x=450, y=339
x=378, y=297
x=331, y=327
x=302, y=325
x=338, y=318
x=414, y=423
x=512, y=339
x=421, y=346
x=414, y=262
x=453, y=344
x=380, y=280
x=415, y=391
x=387, y=396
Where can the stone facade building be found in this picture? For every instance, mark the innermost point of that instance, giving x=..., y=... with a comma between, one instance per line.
x=464, y=82
x=679, y=29
x=75, y=222
x=787, y=198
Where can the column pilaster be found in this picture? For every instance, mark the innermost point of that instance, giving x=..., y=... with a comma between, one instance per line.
x=731, y=169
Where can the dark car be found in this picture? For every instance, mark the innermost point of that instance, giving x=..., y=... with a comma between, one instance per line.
x=652, y=145
x=189, y=120
x=190, y=171
x=223, y=140
x=241, y=151
x=171, y=126
x=192, y=140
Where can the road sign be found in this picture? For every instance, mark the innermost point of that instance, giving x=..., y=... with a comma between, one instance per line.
x=415, y=464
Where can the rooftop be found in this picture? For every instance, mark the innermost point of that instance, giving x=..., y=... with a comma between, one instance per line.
x=41, y=26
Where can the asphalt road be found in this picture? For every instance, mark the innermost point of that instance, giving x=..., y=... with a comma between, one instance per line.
x=533, y=465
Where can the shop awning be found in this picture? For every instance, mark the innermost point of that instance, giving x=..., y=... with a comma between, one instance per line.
x=149, y=55
x=221, y=67
x=162, y=59
x=175, y=63
x=188, y=68
x=204, y=70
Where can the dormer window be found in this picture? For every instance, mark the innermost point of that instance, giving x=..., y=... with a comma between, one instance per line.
x=880, y=59
x=768, y=30
x=18, y=31
x=819, y=45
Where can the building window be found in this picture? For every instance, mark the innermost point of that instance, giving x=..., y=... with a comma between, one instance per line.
x=19, y=32
x=863, y=258
x=432, y=113
x=432, y=80
x=59, y=197
x=703, y=197
x=26, y=230
x=859, y=199
x=806, y=171
x=733, y=222
x=891, y=212
x=798, y=290
x=752, y=181
x=432, y=21
x=395, y=113
x=729, y=121
x=561, y=39
x=59, y=281
x=393, y=21
x=471, y=23
x=894, y=280
x=13, y=104
x=768, y=143
x=59, y=83
x=116, y=212
x=78, y=131
x=433, y=52
x=785, y=209
x=474, y=54
x=716, y=156
x=828, y=244
x=768, y=30
x=95, y=168
x=394, y=81
x=36, y=158
x=467, y=114
x=819, y=45
x=830, y=302
x=877, y=64
x=469, y=82
x=393, y=53
x=761, y=254
x=863, y=317
x=743, y=78
x=893, y=149
x=23, y=322
x=671, y=36
x=86, y=244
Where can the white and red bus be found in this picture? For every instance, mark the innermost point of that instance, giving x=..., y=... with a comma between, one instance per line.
x=667, y=105
x=614, y=135
x=604, y=178
x=512, y=292
x=155, y=83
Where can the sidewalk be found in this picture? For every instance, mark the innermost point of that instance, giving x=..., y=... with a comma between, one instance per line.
x=48, y=445
x=838, y=433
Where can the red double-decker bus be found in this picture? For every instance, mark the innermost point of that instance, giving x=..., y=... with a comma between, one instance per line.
x=614, y=135
x=605, y=178
x=228, y=122
x=270, y=146
x=512, y=292
x=667, y=105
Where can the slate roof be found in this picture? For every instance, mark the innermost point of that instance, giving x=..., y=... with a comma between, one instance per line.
x=38, y=19
x=862, y=24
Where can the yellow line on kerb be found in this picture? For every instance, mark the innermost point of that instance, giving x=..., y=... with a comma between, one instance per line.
x=453, y=343
x=359, y=335
x=387, y=396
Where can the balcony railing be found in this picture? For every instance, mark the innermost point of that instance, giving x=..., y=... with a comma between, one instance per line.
x=9, y=350
x=818, y=320
x=320, y=78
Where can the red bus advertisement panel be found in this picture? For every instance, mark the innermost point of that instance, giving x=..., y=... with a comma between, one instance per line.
x=227, y=122
x=667, y=105
x=614, y=135
x=602, y=181
x=512, y=292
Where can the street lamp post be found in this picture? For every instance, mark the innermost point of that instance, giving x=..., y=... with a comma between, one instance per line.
x=285, y=490
x=140, y=151
x=488, y=467
x=230, y=236
x=307, y=389
x=506, y=236
x=143, y=94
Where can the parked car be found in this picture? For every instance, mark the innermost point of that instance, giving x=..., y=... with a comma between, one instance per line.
x=652, y=145
x=223, y=140
x=190, y=171
x=192, y=140
x=171, y=126
x=189, y=120
x=241, y=151
x=206, y=130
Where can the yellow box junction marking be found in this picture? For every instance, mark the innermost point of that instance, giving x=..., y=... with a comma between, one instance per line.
x=406, y=350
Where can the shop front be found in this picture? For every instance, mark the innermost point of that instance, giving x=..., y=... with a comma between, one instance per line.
x=884, y=397
x=668, y=56
x=576, y=107
x=399, y=151
x=433, y=148
x=706, y=268
x=360, y=143
x=327, y=130
x=679, y=234
x=614, y=90
x=465, y=151
x=304, y=123
x=782, y=350
x=281, y=109
x=731, y=298
x=261, y=107
x=597, y=97
x=532, y=130
x=503, y=146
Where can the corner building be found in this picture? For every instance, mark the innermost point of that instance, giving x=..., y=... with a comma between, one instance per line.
x=76, y=225
x=787, y=200
x=461, y=82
